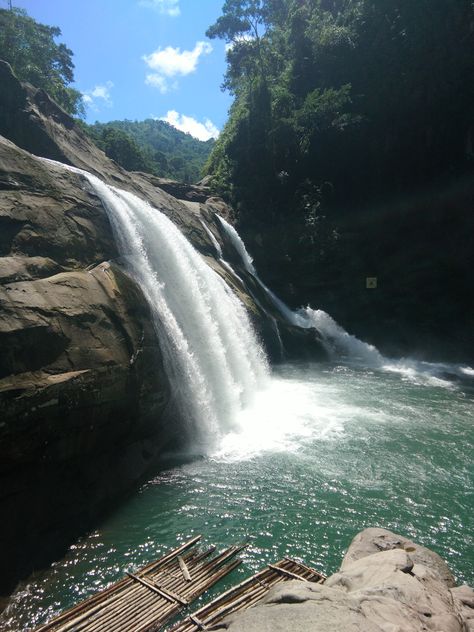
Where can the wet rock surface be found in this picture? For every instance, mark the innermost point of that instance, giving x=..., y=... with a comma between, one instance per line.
x=81, y=380
x=85, y=405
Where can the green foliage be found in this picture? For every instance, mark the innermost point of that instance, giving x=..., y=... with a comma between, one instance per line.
x=239, y=18
x=153, y=146
x=340, y=104
x=30, y=48
x=121, y=148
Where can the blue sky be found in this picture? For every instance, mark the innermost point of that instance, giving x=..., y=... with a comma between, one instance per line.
x=140, y=59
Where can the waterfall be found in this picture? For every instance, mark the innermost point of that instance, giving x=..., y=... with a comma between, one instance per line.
x=211, y=354
x=338, y=343
x=294, y=318
x=239, y=245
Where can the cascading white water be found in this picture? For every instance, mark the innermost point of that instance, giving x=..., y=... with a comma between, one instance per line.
x=211, y=353
x=212, y=357
x=219, y=253
x=294, y=318
x=214, y=241
x=238, y=245
x=342, y=346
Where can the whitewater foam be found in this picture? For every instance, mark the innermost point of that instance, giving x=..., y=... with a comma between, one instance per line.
x=212, y=357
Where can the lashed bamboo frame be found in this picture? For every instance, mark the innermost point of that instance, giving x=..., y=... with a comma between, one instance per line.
x=247, y=594
x=146, y=600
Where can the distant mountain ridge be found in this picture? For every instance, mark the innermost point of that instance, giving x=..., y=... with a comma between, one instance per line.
x=153, y=146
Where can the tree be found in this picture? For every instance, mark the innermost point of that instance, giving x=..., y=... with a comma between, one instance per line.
x=243, y=26
x=240, y=19
x=30, y=48
x=152, y=146
x=340, y=106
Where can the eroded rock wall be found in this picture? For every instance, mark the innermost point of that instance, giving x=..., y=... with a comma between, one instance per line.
x=82, y=387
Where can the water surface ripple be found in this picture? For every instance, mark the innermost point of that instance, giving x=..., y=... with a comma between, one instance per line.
x=324, y=451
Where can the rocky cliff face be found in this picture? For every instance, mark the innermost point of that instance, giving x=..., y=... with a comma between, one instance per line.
x=85, y=406
x=386, y=584
x=81, y=380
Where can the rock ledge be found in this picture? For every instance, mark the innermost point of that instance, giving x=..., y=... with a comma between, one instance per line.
x=386, y=583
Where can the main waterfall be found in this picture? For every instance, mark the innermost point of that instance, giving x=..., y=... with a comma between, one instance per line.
x=212, y=357
x=216, y=367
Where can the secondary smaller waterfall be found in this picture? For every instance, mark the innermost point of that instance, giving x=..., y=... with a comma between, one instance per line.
x=294, y=318
x=337, y=342
x=342, y=346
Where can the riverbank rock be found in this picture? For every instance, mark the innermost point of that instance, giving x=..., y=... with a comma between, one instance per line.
x=386, y=583
x=81, y=378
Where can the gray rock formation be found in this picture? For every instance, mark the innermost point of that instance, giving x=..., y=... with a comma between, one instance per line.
x=83, y=394
x=81, y=380
x=82, y=388
x=386, y=584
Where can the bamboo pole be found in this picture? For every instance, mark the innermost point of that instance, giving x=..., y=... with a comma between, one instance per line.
x=153, y=613
x=135, y=614
x=118, y=612
x=208, y=575
x=155, y=589
x=163, y=613
x=234, y=604
x=120, y=601
x=248, y=592
x=172, y=594
x=102, y=595
x=308, y=568
x=149, y=597
x=289, y=574
x=207, y=570
x=163, y=608
x=196, y=621
x=207, y=583
x=205, y=612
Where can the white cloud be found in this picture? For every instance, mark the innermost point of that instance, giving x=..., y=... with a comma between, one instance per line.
x=171, y=62
x=99, y=95
x=189, y=125
x=167, y=7
x=157, y=81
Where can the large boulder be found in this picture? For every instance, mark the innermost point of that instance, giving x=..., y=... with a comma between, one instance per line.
x=375, y=540
x=396, y=587
x=82, y=387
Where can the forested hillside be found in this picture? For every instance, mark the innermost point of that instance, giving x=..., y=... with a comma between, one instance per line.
x=349, y=154
x=153, y=146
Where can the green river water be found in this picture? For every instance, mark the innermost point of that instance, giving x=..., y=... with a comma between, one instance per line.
x=325, y=451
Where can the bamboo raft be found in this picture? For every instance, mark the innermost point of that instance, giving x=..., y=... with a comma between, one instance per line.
x=247, y=594
x=144, y=601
